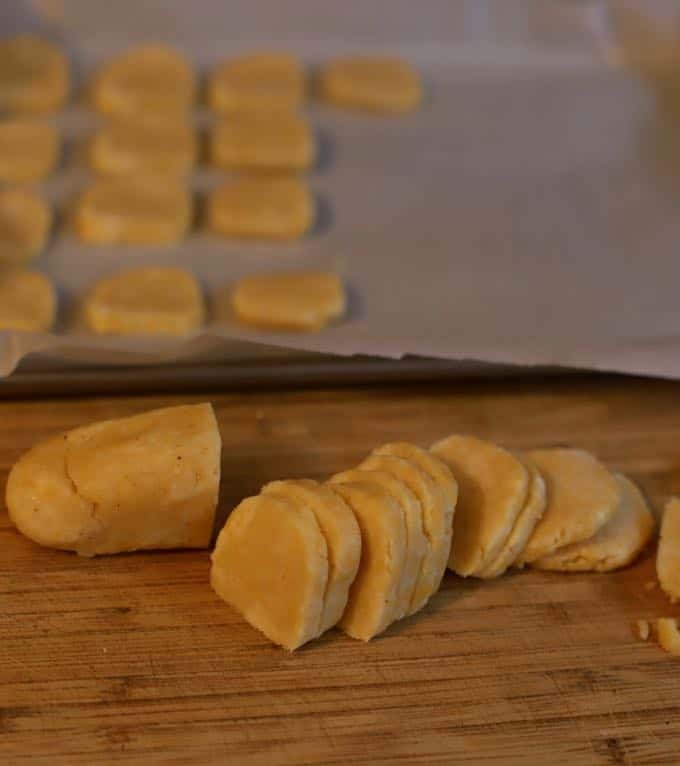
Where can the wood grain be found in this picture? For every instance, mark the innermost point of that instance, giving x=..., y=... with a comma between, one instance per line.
x=132, y=659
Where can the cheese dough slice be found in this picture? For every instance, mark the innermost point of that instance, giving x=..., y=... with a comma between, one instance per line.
x=534, y=508
x=493, y=486
x=25, y=222
x=668, y=554
x=582, y=497
x=281, y=208
x=34, y=76
x=270, y=563
x=29, y=150
x=27, y=301
x=304, y=301
x=144, y=482
x=261, y=142
x=147, y=301
x=257, y=81
x=614, y=545
x=416, y=543
x=379, y=84
x=435, y=517
x=669, y=635
x=342, y=535
x=133, y=210
x=153, y=80
x=125, y=146
x=373, y=598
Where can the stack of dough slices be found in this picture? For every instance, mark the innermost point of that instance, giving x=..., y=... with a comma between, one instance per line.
x=363, y=550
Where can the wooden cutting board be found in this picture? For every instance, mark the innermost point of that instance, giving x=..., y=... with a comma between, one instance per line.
x=132, y=659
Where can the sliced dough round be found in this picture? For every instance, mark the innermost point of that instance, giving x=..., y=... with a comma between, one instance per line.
x=29, y=150
x=27, y=301
x=615, y=544
x=668, y=554
x=270, y=563
x=133, y=210
x=25, y=222
x=534, y=508
x=371, y=83
x=34, y=76
x=416, y=542
x=373, y=597
x=493, y=486
x=343, y=539
x=288, y=301
x=149, y=79
x=582, y=497
x=669, y=635
x=140, y=146
x=257, y=81
x=281, y=208
x=147, y=301
x=144, y=482
x=254, y=141
x=436, y=521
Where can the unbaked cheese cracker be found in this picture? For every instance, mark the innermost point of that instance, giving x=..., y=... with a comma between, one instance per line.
x=27, y=301
x=257, y=81
x=343, y=539
x=152, y=80
x=261, y=208
x=668, y=554
x=145, y=301
x=492, y=491
x=29, y=150
x=34, y=76
x=615, y=544
x=270, y=563
x=303, y=301
x=25, y=222
x=373, y=598
x=277, y=142
x=379, y=84
x=582, y=497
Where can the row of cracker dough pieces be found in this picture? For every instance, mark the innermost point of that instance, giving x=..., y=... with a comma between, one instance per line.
x=556, y=509
x=364, y=550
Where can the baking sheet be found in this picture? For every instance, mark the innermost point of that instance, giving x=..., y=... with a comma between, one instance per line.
x=527, y=214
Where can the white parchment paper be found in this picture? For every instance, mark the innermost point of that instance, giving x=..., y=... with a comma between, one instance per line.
x=529, y=213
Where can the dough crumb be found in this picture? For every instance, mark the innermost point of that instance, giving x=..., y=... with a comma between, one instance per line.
x=642, y=629
x=669, y=635
x=650, y=585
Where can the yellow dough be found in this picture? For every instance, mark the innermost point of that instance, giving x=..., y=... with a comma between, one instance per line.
x=668, y=554
x=287, y=301
x=147, y=301
x=373, y=597
x=669, y=635
x=153, y=80
x=371, y=83
x=144, y=482
x=582, y=497
x=436, y=516
x=534, y=508
x=614, y=545
x=270, y=563
x=27, y=301
x=416, y=543
x=493, y=486
x=342, y=535
x=257, y=81
x=139, y=146
x=25, y=221
x=29, y=150
x=280, y=208
x=34, y=76
x=260, y=142
x=133, y=210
